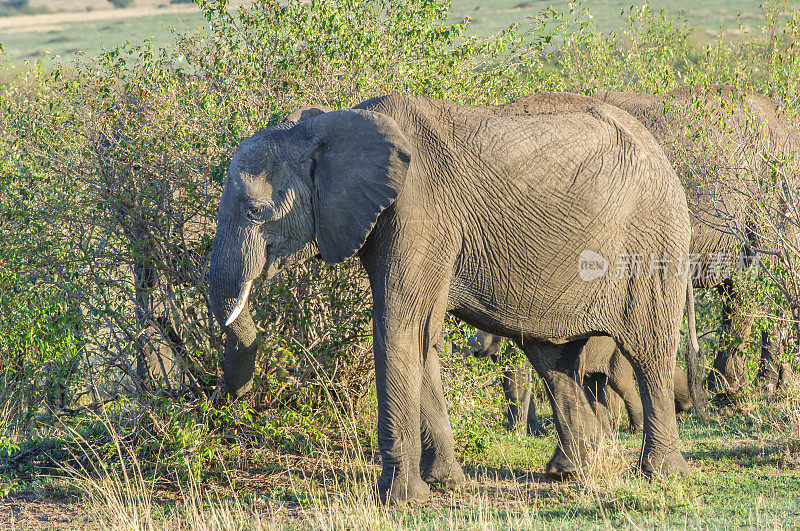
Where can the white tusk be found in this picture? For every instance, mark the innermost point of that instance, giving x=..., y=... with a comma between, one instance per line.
x=240, y=302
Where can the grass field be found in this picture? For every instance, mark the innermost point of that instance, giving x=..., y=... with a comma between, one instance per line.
x=745, y=472
x=86, y=443
x=62, y=35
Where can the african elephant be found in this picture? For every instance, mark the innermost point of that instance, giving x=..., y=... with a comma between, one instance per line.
x=720, y=217
x=725, y=234
x=455, y=208
x=600, y=363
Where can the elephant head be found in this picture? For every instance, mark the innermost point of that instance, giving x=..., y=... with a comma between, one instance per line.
x=314, y=184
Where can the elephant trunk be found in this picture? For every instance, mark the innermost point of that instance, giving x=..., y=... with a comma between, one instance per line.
x=230, y=280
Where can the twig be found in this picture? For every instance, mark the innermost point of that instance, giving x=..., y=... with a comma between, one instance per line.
x=88, y=407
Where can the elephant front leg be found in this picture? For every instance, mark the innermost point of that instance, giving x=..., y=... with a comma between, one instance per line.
x=534, y=427
x=519, y=400
x=576, y=423
x=438, y=464
x=515, y=381
x=398, y=378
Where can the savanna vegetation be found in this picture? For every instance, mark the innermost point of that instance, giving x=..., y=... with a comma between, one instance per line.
x=111, y=168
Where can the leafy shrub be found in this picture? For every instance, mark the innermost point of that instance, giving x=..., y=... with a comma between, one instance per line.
x=125, y=201
x=112, y=169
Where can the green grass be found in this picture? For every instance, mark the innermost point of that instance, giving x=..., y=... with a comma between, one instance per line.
x=487, y=17
x=745, y=472
x=490, y=15
x=92, y=37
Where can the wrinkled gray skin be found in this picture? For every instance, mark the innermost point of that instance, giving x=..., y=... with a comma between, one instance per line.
x=600, y=364
x=673, y=127
x=461, y=209
x=672, y=118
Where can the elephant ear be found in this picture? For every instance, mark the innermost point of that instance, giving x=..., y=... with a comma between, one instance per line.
x=304, y=113
x=358, y=164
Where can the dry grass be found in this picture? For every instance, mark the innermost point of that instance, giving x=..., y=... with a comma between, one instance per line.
x=745, y=471
x=334, y=490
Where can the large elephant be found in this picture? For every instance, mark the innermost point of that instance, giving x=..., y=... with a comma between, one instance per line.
x=503, y=221
x=709, y=138
x=595, y=369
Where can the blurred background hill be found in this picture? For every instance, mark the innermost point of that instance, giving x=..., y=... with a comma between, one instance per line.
x=62, y=28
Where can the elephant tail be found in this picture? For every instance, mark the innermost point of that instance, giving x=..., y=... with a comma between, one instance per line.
x=693, y=369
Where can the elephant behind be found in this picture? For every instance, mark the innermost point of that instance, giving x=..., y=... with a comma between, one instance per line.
x=708, y=137
x=599, y=372
x=453, y=208
x=705, y=162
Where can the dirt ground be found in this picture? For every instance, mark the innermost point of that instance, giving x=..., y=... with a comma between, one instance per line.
x=36, y=512
x=71, y=6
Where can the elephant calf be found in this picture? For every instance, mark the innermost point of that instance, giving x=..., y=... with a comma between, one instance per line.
x=601, y=364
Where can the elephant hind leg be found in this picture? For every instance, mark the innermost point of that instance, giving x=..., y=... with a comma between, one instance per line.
x=595, y=386
x=728, y=371
x=654, y=366
x=772, y=373
x=683, y=399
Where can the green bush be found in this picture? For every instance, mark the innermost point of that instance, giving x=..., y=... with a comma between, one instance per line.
x=144, y=140
x=116, y=163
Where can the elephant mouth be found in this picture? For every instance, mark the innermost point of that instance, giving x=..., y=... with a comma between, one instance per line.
x=273, y=267
x=241, y=302
x=244, y=291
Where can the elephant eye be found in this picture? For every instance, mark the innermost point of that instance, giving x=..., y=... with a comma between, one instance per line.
x=259, y=213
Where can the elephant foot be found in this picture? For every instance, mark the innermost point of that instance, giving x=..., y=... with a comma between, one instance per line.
x=443, y=472
x=560, y=467
x=397, y=489
x=662, y=464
